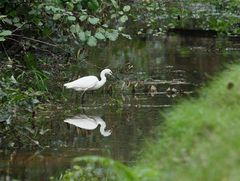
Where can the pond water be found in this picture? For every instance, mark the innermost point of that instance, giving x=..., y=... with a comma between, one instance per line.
x=154, y=75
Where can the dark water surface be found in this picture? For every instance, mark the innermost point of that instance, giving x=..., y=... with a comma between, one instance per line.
x=153, y=76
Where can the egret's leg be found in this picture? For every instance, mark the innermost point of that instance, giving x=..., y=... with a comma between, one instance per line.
x=83, y=110
x=76, y=96
x=82, y=97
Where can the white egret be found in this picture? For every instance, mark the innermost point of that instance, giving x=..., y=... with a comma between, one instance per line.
x=89, y=123
x=88, y=82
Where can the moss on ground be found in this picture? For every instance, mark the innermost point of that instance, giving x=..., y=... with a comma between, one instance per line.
x=200, y=139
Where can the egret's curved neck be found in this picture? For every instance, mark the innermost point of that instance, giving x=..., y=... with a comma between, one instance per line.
x=103, y=76
x=102, y=127
x=102, y=80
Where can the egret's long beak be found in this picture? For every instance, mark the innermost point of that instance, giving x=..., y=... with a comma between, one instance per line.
x=115, y=77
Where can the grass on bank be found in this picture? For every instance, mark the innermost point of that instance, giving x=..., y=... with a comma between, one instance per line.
x=200, y=140
x=201, y=137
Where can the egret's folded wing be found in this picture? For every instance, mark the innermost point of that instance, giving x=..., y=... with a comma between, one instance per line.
x=82, y=83
x=88, y=124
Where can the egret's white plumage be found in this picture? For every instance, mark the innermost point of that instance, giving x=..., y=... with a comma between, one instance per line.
x=89, y=123
x=89, y=82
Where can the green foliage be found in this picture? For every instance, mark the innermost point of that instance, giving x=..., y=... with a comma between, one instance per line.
x=33, y=28
x=4, y=33
x=56, y=23
x=13, y=99
x=126, y=8
x=33, y=77
x=156, y=17
x=98, y=168
x=12, y=95
x=92, y=41
x=150, y=17
x=21, y=91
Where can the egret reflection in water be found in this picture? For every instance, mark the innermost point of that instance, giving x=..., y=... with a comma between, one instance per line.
x=89, y=123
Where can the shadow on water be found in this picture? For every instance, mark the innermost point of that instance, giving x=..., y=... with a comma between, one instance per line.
x=153, y=76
